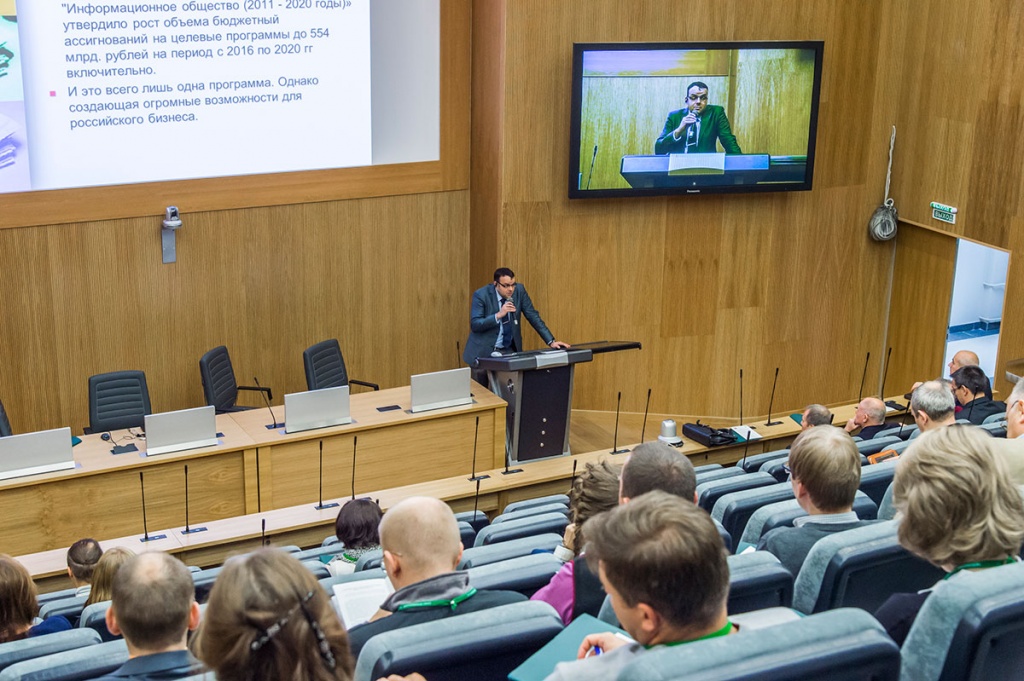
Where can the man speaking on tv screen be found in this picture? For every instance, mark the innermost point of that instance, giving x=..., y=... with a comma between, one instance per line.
x=695, y=128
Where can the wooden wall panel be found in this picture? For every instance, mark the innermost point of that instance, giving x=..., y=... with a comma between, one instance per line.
x=387, y=277
x=708, y=284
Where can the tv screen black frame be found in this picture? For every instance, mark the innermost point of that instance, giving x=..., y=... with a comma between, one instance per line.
x=575, y=175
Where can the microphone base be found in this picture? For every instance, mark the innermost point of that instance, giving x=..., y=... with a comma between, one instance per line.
x=152, y=537
x=619, y=451
x=273, y=426
x=321, y=507
x=511, y=471
x=193, y=530
x=773, y=423
x=478, y=477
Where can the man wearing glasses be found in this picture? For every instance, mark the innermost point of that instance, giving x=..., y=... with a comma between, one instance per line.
x=494, y=321
x=697, y=127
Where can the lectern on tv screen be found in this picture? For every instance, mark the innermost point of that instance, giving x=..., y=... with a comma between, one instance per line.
x=693, y=118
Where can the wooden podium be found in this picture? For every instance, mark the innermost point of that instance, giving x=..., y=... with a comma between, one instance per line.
x=537, y=386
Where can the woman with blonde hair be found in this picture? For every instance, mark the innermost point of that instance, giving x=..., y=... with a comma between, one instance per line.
x=957, y=509
x=103, y=573
x=267, y=619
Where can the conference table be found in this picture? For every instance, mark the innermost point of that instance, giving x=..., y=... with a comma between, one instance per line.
x=304, y=525
x=252, y=469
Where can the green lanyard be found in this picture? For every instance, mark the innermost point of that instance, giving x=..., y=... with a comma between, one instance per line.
x=980, y=565
x=714, y=634
x=450, y=602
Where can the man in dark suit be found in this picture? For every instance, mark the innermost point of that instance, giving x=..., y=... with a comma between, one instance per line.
x=696, y=128
x=971, y=388
x=494, y=321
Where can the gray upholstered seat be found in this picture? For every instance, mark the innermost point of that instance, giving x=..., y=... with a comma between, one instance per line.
x=756, y=462
x=874, y=479
x=719, y=474
x=485, y=645
x=522, y=527
x=484, y=555
x=325, y=367
x=13, y=652
x=71, y=665
x=757, y=580
x=525, y=574
x=119, y=399
x=783, y=513
x=93, y=614
x=843, y=645
x=530, y=511
x=709, y=492
x=859, y=568
x=734, y=510
x=539, y=501
x=970, y=627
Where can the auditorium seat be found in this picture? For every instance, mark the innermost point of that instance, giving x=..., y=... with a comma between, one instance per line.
x=56, y=595
x=484, y=645
x=734, y=510
x=727, y=541
x=995, y=418
x=64, y=607
x=478, y=519
x=317, y=552
x=220, y=389
x=467, y=533
x=719, y=474
x=757, y=580
x=13, y=652
x=844, y=645
x=996, y=428
x=530, y=511
x=876, y=444
x=476, y=556
x=522, y=527
x=317, y=567
x=71, y=665
x=118, y=400
x=783, y=513
x=539, y=501
x=876, y=478
x=370, y=560
x=525, y=574
x=970, y=627
x=755, y=462
x=709, y=492
x=325, y=367
x=93, y=614
x=859, y=568
x=707, y=467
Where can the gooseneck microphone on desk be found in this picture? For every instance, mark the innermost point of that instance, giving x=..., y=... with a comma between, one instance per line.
x=474, y=476
x=746, y=440
x=273, y=419
x=189, y=530
x=572, y=482
x=355, y=441
x=864, y=375
x=146, y=537
x=643, y=426
x=321, y=505
x=771, y=401
x=615, y=434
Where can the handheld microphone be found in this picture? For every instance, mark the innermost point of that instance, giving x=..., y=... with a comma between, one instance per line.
x=145, y=528
x=355, y=441
x=321, y=506
x=615, y=435
x=593, y=158
x=189, y=530
x=860, y=393
x=643, y=426
x=273, y=419
x=771, y=400
x=473, y=475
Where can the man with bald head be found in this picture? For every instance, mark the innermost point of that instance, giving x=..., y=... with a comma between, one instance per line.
x=421, y=544
x=870, y=418
x=153, y=605
x=963, y=358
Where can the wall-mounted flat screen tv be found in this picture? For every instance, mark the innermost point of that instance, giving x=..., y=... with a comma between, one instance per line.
x=693, y=118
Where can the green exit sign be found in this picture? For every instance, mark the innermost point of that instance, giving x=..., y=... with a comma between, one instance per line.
x=944, y=213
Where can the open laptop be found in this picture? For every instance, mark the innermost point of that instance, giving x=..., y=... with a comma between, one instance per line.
x=441, y=389
x=316, y=409
x=32, y=453
x=174, y=431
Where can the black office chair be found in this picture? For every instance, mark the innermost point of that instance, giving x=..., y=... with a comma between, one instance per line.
x=219, y=385
x=5, y=424
x=325, y=367
x=119, y=399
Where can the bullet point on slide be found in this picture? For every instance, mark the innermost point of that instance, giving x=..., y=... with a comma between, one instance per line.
x=53, y=93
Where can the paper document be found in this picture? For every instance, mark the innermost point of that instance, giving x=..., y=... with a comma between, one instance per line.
x=696, y=164
x=356, y=602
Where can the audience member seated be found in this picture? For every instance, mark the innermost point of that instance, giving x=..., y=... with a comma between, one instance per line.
x=825, y=473
x=356, y=528
x=661, y=561
x=815, y=415
x=82, y=558
x=972, y=390
x=18, y=605
x=963, y=358
x=103, y=575
x=932, y=406
x=960, y=511
x=575, y=590
x=154, y=607
x=269, y=619
x=869, y=417
x=1011, y=448
x=655, y=465
x=420, y=538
